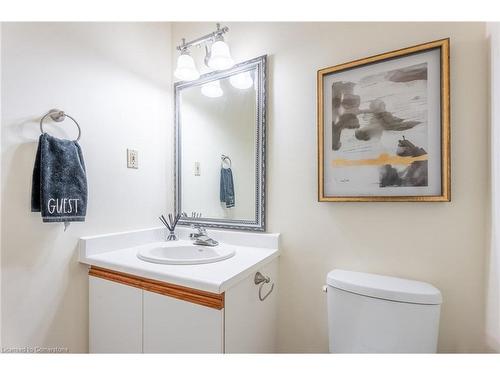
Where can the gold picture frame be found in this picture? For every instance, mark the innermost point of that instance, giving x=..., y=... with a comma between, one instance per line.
x=443, y=47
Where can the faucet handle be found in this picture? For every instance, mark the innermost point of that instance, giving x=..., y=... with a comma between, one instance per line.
x=201, y=229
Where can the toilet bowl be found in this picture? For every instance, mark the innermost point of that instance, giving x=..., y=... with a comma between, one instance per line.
x=370, y=313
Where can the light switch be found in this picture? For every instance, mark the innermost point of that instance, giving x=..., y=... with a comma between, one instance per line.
x=132, y=159
x=197, y=171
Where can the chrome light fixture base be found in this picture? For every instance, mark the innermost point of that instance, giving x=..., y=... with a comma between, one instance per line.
x=221, y=60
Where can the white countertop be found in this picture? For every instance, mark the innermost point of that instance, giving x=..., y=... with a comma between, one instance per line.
x=118, y=252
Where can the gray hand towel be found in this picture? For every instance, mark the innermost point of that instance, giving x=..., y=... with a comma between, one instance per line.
x=59, y=188
x=227, y=187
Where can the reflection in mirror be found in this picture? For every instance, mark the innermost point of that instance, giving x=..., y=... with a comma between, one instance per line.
x=219, y=144
x=217, y=120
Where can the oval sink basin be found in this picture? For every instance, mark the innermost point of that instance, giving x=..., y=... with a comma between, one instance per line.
x=187, y=254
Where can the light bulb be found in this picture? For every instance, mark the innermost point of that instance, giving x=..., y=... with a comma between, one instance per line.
x=220, y=57
x=186, y=70
x=241, y=81
x=212, y=89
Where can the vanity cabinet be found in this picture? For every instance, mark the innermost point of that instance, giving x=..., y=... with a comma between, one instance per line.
x=115, y=312
x=131, y=314
x=175, y=326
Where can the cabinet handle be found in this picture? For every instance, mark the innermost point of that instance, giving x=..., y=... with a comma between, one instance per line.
x=261, y=279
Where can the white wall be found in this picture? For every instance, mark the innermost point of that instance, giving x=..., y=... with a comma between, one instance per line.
x=449, y=248
x=0, y=185
x=114, y=78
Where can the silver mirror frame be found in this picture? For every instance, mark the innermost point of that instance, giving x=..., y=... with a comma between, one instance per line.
x=259, y=223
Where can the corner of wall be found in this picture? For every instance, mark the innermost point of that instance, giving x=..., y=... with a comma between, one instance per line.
x=0, y=185
x=492, y=258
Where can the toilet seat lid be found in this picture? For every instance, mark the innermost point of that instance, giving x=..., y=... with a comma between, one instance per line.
x=385, y=287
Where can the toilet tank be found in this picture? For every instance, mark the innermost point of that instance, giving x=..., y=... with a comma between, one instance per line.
x=370, y=313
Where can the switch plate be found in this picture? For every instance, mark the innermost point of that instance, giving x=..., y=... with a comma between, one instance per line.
x=197, y=171
x=132, y=159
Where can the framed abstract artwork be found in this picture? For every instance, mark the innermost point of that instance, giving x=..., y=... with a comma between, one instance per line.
x=384, y=127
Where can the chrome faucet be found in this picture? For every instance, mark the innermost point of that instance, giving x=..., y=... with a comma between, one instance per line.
x=201, y=231
x=201, y=237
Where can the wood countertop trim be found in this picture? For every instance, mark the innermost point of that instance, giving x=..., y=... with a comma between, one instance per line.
x=199, y=297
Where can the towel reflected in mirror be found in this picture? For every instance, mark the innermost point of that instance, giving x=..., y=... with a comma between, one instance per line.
x=227, y=187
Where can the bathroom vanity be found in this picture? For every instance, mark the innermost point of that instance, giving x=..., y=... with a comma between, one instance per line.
x=136, y=306
x=149, y=295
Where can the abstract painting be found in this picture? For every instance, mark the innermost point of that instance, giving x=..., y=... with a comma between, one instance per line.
x=383, y=127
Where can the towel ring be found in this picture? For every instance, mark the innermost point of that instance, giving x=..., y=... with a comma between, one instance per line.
x=262, y=280
x=58, y=116
x=227, y=159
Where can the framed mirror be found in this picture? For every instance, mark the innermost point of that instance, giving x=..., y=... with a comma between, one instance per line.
x=220, y=139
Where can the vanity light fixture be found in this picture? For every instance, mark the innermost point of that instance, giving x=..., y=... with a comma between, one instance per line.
x=217, y=56
x=241, y=81
x=212, y=89
x=220, y=57
x=186, y=69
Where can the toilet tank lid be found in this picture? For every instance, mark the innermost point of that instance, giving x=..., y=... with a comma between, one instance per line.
x=385, y=287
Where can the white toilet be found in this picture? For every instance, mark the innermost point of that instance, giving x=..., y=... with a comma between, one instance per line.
x=370, y=313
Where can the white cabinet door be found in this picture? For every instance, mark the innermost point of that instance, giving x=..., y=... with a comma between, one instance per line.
x=115, y=317
x=176, y=326
x=250, y=324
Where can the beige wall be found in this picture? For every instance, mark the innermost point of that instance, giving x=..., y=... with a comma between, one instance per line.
x=115, y=80
x=493, y=255
x=442, y=243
